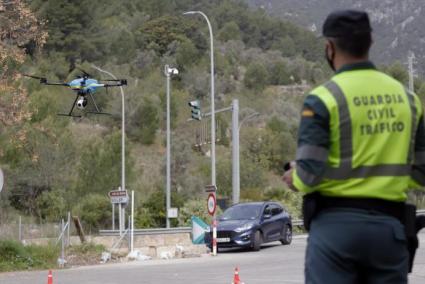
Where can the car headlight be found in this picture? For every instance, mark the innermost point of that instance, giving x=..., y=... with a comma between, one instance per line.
x=245, y=227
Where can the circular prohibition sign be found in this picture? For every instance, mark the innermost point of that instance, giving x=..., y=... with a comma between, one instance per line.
x=211, y=204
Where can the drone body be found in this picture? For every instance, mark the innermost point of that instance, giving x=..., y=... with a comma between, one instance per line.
x=84, y=88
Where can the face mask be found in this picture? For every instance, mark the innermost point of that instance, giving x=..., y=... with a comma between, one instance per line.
x=330, y=60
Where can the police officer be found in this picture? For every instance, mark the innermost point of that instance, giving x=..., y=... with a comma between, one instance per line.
x=361, y=145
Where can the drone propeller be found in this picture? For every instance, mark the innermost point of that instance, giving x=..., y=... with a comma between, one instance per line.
x=43, y=80
x=86, y=75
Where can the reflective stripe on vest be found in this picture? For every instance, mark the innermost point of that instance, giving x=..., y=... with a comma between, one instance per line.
x=312, y=152
x=345, y=170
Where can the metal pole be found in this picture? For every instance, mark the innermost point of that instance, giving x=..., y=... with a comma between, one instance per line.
x=168, y=186
x=213, y=179
x=121, y=209
x=113, y=216
x=132, y=221
x=20, y=229
x=62, y=245
x=411, y=71
x=129, y=233
x=235, y=152
x=120, y=217
x=68, y=242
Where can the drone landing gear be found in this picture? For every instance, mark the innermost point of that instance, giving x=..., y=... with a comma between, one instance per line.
x=70, y=115
x=95, y=105
x=72, y=108
x=97, y=111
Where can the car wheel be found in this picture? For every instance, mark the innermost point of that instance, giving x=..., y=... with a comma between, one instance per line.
x=286, y=235
x=256, y=243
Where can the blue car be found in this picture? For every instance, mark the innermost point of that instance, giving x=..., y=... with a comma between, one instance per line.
x=251, y=224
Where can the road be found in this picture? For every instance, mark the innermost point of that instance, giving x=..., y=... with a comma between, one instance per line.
x=273, y=264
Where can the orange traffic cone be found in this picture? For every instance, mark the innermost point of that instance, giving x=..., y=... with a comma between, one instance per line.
x=236, y=279
x=50, y=278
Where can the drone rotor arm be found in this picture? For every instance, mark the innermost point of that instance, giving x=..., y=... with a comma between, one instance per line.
x=55, y=84
x=121, y=82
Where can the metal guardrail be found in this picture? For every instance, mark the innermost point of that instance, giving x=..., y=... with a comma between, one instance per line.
x=156, y=231
x=177, y=230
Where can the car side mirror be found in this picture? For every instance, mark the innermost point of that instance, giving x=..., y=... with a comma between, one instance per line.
x=267, y=216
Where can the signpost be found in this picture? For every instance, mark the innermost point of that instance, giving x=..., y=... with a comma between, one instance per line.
x=118, y=196
x=211, y=204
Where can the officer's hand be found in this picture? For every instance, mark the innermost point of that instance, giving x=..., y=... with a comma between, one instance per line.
x=287, y=176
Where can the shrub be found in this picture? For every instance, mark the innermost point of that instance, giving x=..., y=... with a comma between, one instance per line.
x=14, y=256
x=95, y=211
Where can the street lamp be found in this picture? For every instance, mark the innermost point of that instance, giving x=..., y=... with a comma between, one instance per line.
x=213, y=180
x=168, y=71
x=121, y=210
x=236, y=127
x=248, y=117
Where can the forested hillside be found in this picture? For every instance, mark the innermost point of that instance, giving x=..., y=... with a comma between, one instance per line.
x=398, y=25
x=54, y=164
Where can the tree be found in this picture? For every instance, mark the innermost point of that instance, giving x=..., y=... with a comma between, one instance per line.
x=230, y=31
x=94, y=210
x=256, y=76
x=52, y=205
x=398, y=72
x=186, y=54
x=99, y=170
x=20, y=33
x=279, y=74
x=144, y=123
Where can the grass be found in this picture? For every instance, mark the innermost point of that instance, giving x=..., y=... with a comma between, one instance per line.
x=15, y=256
x=87, y=248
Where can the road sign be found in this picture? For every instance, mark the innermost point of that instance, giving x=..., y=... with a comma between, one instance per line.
x=211, y=204
x=118, y=196
x=210, y=188
x=199, y=228
x=172, y=213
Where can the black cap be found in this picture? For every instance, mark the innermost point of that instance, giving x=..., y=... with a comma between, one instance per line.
x=344, y=23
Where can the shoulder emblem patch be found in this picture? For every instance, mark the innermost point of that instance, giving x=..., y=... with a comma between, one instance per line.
x=307, y=113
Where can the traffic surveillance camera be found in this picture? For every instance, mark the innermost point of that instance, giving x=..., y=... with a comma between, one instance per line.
x=171, y=71
x=82, y=102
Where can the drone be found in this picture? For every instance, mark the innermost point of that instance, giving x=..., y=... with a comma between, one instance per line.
x=84, y=87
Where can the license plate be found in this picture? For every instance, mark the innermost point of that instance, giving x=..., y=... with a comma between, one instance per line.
x=223, y=240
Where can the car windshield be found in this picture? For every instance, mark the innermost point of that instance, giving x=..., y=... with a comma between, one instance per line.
x=242, y=212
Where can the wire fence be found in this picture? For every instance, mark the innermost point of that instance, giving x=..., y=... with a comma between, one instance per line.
x=22, y=229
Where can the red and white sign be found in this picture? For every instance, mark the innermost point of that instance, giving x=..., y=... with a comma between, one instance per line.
x=211, y=204
x=118, y=196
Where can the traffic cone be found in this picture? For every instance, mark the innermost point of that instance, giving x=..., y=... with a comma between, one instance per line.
x=50, y=278
x=236, y=279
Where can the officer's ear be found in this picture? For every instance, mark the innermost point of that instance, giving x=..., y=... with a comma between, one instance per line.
x=330, y=49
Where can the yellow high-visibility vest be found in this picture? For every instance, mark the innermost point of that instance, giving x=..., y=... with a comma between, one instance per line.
x=373, y=122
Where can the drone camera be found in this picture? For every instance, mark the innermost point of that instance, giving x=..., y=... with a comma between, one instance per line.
x=81, y=102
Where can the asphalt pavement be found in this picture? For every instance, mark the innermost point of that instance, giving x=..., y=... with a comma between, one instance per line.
x=275, y=263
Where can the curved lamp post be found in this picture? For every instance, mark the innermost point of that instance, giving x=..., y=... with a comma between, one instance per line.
x=121, y=210
x=213, y=178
